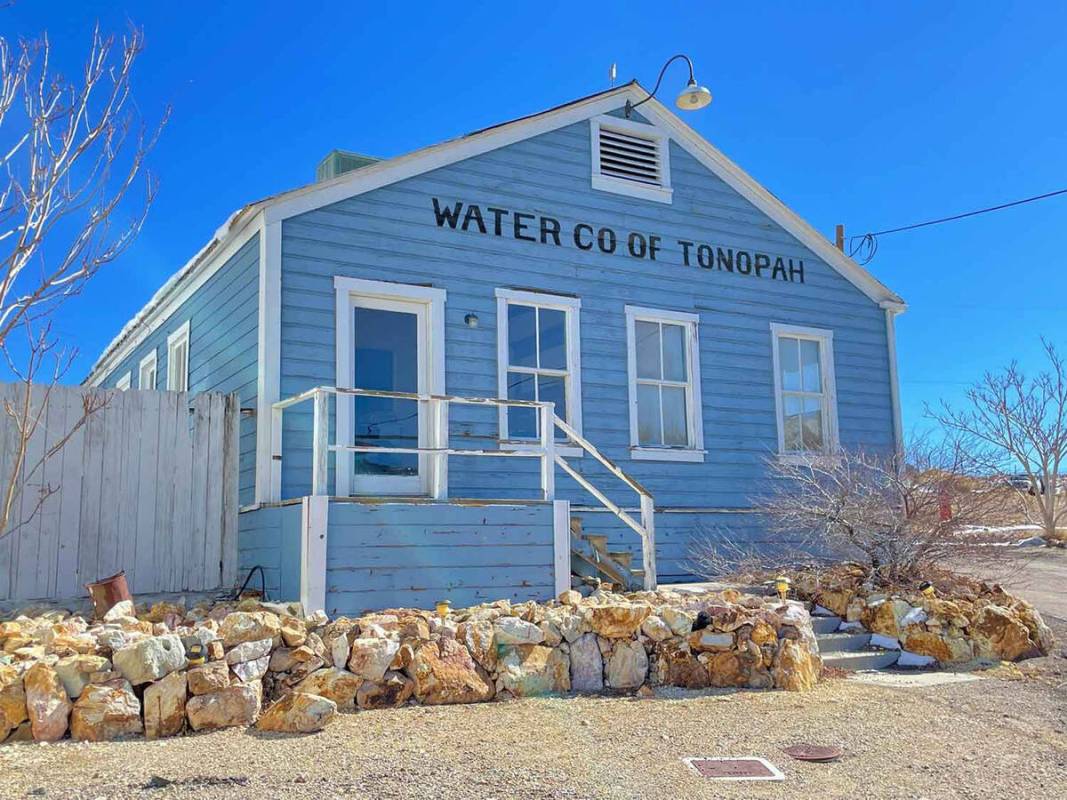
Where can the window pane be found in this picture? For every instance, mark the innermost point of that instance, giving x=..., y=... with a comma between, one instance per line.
x=809, y=364
x=386, y=350
x=553, y=338
x=791, y=410
x=648, y=419
x=646, y=335
x=551, y=390
x=675, y=427
x=674, y=368
x=522, y=336
x=812, y=428
x=789, y=363
x=522, y=422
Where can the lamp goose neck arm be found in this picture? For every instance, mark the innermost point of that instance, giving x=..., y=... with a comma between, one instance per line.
x=631, y=106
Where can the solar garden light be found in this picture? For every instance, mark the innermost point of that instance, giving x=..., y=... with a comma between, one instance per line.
x=443, y=607
x=691, y=98
x=781, y=585
x=927, y=588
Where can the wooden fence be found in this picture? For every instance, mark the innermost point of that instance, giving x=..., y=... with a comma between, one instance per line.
x=147, y=485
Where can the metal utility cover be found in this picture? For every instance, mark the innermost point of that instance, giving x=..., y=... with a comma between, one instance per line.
x=734, y=769
x=813, y=752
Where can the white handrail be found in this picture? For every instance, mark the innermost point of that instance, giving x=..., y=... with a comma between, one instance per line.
x=545, y=449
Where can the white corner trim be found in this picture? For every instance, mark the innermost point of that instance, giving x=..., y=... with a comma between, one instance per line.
x=894, y=378
x=268, y=348
x=123, y=383
x=175, y=339
x=694, y=402
x=149, y=360
x=610, y=183
x=314, y=527
x=571, y=306
x=825, y=338
x=345, y=289
x=561, y=545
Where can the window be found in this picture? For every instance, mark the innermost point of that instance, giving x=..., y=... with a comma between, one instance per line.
x=146, y=373
x=664, y=369
x=538, y=357
x=178, y=359
x=123, y=383
x=630, y=158
x=804, y=389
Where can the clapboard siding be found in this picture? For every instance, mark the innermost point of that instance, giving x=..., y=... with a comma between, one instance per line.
x=392, y=555
x=223, y=318
x=270, y=538
x=390, y=234
x=148, y=484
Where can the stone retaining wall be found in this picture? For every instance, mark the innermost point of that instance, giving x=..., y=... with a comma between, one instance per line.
x=129, y=674
x=963, y=620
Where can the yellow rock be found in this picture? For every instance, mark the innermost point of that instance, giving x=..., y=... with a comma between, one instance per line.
x=795, y=668
x=47, y=704
x=12, y=700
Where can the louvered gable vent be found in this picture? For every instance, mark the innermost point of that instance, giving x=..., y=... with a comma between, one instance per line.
x=630, y=157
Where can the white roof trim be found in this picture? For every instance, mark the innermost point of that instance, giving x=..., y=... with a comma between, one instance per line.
x=383, y=173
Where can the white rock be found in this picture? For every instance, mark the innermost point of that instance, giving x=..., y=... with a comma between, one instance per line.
x=247, y=671
x=339, y=651
x=150, y=659
x=627, y=666
x=916, y=616
x=512, y=630
x=123, y=608
x=370, y=658
x=249, y=651
x=885, y=642
x=656, y=629
x=587, y=665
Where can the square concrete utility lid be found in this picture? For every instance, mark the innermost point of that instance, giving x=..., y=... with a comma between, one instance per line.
x=734, y=769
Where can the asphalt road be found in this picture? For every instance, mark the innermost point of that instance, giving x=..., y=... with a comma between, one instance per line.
x=1039, y=575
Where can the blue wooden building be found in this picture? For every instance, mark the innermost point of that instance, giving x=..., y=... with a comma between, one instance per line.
x=569, y=340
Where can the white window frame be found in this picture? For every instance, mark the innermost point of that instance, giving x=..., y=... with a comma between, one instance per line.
x=694, y=452
x=609, y=183
x=148, y=361
x=123, y=383
x=174, y=340
x=825, y=339
x=433, y=472
x=571, y=306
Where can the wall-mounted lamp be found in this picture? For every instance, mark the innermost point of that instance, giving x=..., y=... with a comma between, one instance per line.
x=471, y=320
x=691, y=98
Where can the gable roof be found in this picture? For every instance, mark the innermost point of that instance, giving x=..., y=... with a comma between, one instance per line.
x=256, y=215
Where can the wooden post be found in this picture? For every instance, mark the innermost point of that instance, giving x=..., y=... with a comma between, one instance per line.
x=839, y=236
x=648, y=541
x=547, y=417
x=438, y=416
x=320, y=446
x=275, y=493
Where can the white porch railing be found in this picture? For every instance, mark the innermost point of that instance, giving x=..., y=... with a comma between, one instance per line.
x=438, y=412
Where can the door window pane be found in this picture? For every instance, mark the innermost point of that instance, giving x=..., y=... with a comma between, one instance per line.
x=553, y=342
x=646, y=335
x=675, y=425
x=386, y=359
x=648, y=416
x=522, y=336
x=674, y=367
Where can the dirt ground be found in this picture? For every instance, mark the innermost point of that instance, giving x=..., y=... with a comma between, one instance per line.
x=1003, y=735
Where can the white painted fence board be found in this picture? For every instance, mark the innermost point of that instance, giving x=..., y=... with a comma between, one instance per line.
x=148, y=485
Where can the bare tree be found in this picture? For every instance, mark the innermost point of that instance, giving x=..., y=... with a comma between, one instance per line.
x=896, y=519
x=1016, y=424
x=73, y=151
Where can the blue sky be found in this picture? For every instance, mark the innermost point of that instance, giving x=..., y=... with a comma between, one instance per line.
x=869, y=114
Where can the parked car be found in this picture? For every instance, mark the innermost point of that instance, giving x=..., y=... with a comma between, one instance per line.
x=1021, y=482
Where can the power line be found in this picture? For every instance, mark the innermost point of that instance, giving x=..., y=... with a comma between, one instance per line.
x=865, y=250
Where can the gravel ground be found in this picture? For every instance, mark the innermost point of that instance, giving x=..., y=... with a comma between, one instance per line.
x=986, y=739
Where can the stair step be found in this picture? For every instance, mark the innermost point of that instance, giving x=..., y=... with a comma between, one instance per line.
x=624, y=557
x=843, y=642
x=598, y=540
x=860, y=660
x=825, y=624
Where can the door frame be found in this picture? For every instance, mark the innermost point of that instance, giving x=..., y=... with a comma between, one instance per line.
x=432, y=471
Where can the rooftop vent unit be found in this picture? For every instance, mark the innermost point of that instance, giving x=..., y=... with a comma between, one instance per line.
x=338, y=162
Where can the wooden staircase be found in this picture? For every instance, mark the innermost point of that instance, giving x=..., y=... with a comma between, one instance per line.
x=593, y=564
